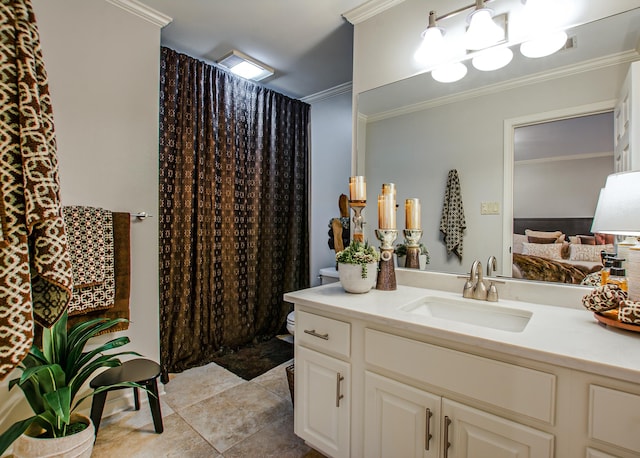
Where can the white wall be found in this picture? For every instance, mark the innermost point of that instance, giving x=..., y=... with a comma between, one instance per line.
x=417, y=150
x=330, y=171
x=103, y=67
x=559, y=189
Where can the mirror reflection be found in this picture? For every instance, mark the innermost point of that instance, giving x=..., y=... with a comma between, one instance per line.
x=413, y=132
x=559, y=168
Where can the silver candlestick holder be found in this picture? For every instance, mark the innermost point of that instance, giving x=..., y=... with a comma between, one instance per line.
x=386, y=272
x=412, y=238
x=358, y=220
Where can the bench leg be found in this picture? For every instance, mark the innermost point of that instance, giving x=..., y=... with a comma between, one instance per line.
x=136, y=398
x=154, y=403
x=97, y=406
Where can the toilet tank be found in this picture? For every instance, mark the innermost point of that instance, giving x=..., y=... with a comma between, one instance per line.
x=328, y=275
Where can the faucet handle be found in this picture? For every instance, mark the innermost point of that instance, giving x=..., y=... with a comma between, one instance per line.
x=492, y=293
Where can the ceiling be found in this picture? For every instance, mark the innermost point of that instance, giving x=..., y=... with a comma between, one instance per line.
x=307, y=42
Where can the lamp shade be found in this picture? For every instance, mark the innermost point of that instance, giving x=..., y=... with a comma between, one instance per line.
x=544, y=45
x=618, y=209
x=449, y=73
x=482, y=32
x=492, y=59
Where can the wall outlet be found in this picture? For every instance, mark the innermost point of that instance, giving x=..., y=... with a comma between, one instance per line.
x=489, y=208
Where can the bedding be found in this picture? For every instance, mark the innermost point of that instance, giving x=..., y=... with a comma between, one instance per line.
x=542, y=269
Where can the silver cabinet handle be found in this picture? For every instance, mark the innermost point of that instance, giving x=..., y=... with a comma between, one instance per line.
x=313, y=333
x=339, y=378
x=427, y=430
x=447, y=444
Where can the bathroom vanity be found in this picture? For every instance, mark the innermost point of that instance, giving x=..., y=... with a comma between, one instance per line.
x=421, y=372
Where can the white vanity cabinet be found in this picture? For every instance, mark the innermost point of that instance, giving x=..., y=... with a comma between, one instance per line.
x=402, y=421
x=372, y=383
x=397, y=413
x=322, y=383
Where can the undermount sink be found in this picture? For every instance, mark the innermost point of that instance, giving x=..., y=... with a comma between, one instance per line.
x=477, y=313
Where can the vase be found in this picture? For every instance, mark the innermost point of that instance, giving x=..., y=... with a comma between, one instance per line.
x=351, y=277
x=79, y=445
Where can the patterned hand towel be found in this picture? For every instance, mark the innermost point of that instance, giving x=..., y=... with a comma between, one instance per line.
x=90, y=232
x=35, y=270
x=452, y=222
x=122, y=269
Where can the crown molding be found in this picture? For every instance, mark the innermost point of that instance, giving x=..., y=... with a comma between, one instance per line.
x=368, y=10
x=569, y=70
x=572, y=157
x=328, y=93
x=143, y=11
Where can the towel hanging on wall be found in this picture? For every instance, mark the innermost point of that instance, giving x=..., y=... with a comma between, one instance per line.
x=90, y=234
x=452, y=222
x=35, y=270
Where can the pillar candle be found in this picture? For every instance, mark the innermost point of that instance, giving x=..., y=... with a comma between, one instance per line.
x=357, y=188
x=386, y=212
x=412, y=213
x=389, y=189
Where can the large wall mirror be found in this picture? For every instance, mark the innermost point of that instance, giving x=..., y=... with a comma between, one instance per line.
x=412, y=132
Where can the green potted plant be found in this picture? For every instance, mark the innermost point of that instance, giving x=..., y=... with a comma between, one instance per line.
x=358, y=267
x=401, y=253
x=52, y=378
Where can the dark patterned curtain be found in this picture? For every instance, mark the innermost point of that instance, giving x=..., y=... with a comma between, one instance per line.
x=233, y=210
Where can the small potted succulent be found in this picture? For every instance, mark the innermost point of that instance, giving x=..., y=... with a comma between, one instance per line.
x=52, y=379
x=401, y=253
x=358, y=267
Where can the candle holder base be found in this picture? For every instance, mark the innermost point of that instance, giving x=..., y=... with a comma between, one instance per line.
x=412, y=260
x=358, y=220
x=387, y=273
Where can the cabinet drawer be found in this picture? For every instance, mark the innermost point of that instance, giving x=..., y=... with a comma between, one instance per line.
x=517, y=389
x=614, y=417
x=324, y=334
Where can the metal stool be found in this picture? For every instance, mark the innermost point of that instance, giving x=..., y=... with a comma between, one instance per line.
x=142, y=371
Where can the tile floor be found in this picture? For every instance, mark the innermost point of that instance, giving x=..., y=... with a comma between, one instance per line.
x=210, y=412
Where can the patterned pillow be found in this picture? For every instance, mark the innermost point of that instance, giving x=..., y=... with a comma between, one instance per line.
x=589, y=253
x=518, y=240
x=544, y=250
x=532, y=239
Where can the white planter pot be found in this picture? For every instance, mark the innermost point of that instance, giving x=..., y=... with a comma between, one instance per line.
x=351, y=277
x=79, y=445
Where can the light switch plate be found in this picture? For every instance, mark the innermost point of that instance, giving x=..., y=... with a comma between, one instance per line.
x=489, y=208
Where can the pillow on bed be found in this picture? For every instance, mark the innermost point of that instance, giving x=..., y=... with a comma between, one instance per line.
x=605, y=239
x=543, y=240
x=574, y=240
x=544, y=250
x=554, y=234
x=589, y=253
x=587, y=239
x=518, y=240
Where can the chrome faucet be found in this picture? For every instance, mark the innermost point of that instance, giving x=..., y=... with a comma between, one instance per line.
x=475, y=287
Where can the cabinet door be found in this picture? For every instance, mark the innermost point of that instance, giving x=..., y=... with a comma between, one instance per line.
x=322, y=415
x=473, y=433
x=400, y=421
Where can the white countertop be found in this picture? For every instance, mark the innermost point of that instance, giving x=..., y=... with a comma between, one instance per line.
x=561, y=336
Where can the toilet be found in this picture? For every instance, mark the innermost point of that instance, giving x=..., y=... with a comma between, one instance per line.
x=291, y=323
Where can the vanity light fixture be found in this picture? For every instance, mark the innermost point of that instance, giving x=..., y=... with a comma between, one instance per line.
x=449, y=73
x=483, y=32
x=432, y=48
x=245, y=66
x=546, y=38
x=492, y=59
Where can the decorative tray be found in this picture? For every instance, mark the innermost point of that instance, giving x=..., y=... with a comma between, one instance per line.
x=610, y=318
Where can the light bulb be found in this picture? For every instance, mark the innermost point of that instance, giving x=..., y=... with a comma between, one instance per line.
x=492, y=59
x=449, y=73
x=432, y=48
x=544, y=45
x=483, y=31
